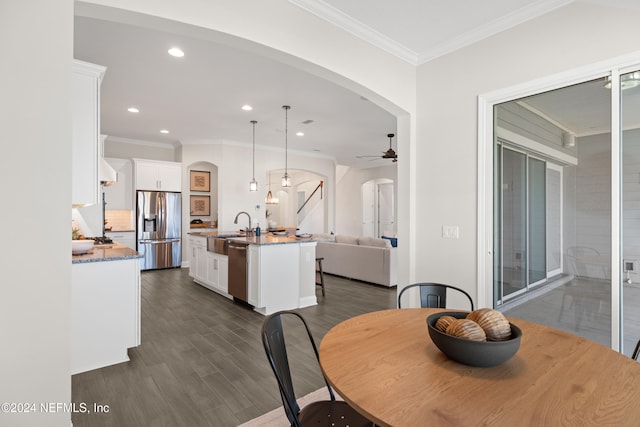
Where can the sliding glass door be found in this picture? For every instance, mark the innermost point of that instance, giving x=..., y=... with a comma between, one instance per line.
x=521, y=242
x=563, y=231
x=630, y=227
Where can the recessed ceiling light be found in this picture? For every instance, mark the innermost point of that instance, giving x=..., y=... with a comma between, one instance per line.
x=247, y=107
x=177, y=52
x=133, y=110
x=299, y=133
x=164, y=131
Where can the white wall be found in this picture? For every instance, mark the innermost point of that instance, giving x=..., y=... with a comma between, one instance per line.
x=573, y=36
x=35, y=266
x=349, y=195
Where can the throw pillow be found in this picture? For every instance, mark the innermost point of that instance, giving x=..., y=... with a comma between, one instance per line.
x=393, y=240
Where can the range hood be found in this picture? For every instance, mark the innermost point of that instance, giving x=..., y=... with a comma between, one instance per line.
x=108, y=175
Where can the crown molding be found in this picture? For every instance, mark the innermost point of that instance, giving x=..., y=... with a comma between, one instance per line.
x=368, y=34
x=357, y=28
x=167, y=145
x=496, y=26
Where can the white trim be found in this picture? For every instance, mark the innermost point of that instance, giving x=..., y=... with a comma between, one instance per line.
x=539, y=113
x=485, y=193
x=536, y=147
x=513, y=19
x=616, y=212
x=357, y=28
x=560, y=170
x=141, y=142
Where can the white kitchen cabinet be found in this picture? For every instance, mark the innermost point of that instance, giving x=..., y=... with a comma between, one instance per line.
x=119, y=196
x=212, y=271
x=217, y=272
x=155, y=175
x=85, y=95
x=193, y=251
x=197, y=257
x=223, y=274
x=281, y=277
x=201, y=263
x=208, y=268
x=126, y=238
x=105, y=313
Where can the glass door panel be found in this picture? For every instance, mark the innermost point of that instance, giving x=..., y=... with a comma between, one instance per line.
x=630, y=179
x=514, y=222
x=537, y=224
x=554, y=220
x=567, y=229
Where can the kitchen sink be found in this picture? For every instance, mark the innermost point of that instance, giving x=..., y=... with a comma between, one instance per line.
x=219, y=244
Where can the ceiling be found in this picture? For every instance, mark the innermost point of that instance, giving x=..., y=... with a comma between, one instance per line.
x=199, y=97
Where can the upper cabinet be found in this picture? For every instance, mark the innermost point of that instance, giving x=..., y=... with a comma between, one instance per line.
x=85, y=92
x=155, y=175
x=120, y=195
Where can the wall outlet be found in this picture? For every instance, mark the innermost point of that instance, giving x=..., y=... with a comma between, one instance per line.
x=450, y=232
x=630, y=265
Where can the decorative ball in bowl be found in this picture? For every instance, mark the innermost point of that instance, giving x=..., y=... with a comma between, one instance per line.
x=461, y=337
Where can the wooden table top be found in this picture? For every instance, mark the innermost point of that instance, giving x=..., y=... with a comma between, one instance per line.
x=386, y=366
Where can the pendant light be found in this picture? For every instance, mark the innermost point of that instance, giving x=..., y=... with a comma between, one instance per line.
x=286, y=179
x=270, y=200
x=253, y=184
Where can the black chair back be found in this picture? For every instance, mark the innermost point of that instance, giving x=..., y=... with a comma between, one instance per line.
x=276, y=350
x=433, y=295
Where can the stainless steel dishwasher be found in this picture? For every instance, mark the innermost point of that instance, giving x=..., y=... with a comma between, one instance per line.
x=238, y=270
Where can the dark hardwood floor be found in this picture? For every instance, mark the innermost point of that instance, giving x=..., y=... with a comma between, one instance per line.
x=201, y=362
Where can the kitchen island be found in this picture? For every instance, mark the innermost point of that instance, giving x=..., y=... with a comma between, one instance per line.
x=105, y=307
x=280, y=270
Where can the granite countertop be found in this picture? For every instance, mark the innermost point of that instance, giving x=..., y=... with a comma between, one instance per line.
x=263, y=239
x=101, y=254
x=269, y=239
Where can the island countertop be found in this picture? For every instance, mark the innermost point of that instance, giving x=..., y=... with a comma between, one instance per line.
x=264, y=239
x=102, y=254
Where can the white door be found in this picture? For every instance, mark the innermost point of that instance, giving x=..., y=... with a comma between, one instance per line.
x=368, y=209
x=386, y=211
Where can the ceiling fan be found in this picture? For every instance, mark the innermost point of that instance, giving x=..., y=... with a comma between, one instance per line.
x=389, y=154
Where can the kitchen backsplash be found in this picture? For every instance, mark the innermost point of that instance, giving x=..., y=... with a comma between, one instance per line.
x=119, y=220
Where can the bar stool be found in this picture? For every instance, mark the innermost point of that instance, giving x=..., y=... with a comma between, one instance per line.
x=321, y=282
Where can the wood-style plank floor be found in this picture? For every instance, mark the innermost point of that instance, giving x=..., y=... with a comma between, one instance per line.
x=201, y=362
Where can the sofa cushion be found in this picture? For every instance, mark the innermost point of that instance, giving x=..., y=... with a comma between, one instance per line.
x=375, y=242
x=344, y=238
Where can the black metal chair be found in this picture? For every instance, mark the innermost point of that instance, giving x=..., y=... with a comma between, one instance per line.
x=321, y=413
x=636, y=352
x=433, y=295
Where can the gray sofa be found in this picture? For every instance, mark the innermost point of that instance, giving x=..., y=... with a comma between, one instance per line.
x=363, y=258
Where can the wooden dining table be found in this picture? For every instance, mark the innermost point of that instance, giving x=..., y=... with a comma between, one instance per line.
x=385, y=365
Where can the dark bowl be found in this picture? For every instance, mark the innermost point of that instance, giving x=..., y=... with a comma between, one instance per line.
x=473, y=353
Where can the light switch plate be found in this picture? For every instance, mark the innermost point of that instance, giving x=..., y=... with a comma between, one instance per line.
x=450, y=232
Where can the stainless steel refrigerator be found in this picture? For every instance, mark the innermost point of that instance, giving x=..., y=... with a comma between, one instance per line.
x=158, y=229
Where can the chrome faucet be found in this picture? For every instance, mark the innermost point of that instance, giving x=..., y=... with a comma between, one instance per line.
x=235, y=221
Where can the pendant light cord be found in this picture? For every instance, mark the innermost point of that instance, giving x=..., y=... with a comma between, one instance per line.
x=253, y=122
x=286, y=142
